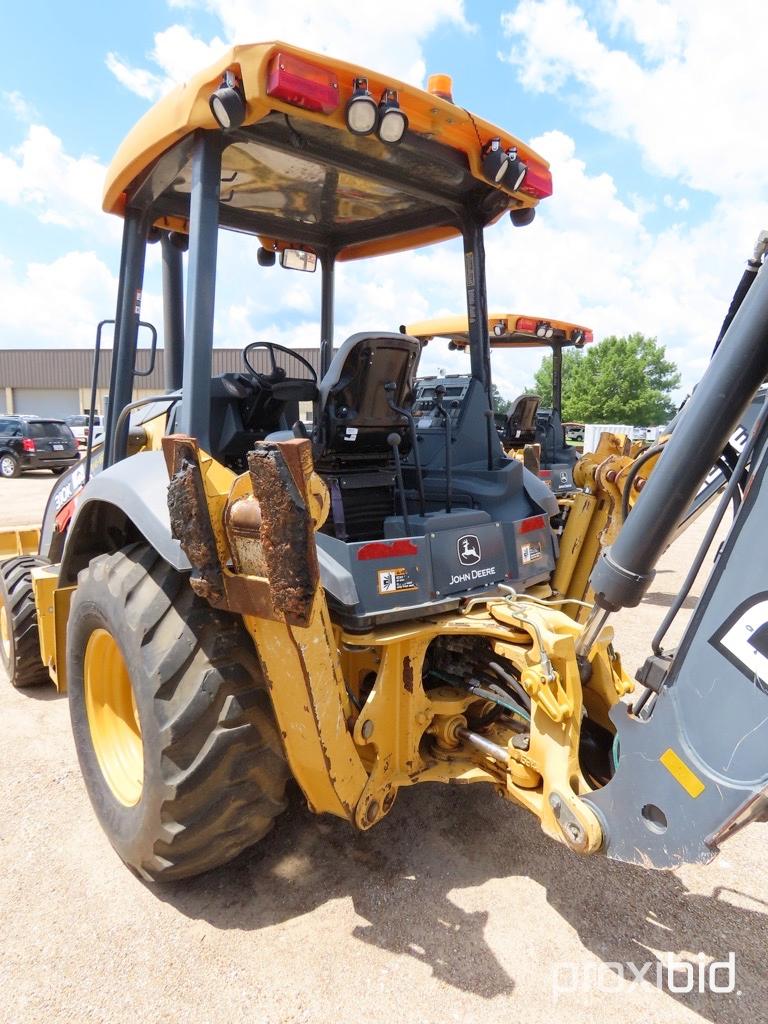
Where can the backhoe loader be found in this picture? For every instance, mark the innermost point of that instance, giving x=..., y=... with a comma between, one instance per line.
x=528, y=431
x=232, y=597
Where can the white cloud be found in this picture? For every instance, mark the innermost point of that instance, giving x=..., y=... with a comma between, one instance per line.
x=21, y=108
x=656, y=25
x=693, y=103
x=176, y=52
x=591, y=258
x=59, y=188
x=55, y=304
x=671, y=203
x=146, y=84
x=389, y=37
x=679, y=79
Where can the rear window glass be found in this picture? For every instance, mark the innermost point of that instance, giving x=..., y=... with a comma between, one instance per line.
x=82, y=421
x=48, y=428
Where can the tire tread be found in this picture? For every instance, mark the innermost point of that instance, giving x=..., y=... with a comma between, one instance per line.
x=222, y=768
x=26, y=668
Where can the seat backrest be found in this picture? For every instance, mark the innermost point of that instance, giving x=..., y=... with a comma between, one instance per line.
x=354, y=414
x=522, y=419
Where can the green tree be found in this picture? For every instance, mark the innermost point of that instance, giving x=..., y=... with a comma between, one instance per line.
x=500, y=404
x=542, y=381
x=619, y=380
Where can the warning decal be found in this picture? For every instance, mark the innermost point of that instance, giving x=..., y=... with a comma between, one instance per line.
x=743, y=639
x=395, y=581
x=531, y=552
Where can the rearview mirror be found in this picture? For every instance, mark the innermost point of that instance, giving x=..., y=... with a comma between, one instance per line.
x=298, y=259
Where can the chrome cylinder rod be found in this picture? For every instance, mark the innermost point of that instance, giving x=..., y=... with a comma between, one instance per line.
x=487, y=747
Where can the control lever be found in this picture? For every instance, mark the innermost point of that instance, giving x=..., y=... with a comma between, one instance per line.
x=439, y=396
x=390, y=388
x=393, y=440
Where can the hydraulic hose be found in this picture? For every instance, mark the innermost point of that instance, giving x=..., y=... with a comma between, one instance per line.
x=746, y=282
x=728, y=494
x=634, y=469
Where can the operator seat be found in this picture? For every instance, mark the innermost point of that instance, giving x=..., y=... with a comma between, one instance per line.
x=354, y=417
x=354, y=426
x=521, y=423
x=551, y=436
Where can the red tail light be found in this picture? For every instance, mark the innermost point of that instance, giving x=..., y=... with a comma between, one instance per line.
x=28, y=445
x=386, y=549
x=538, y=181
x=302, y=84
x=533, y=523
x=526, y=325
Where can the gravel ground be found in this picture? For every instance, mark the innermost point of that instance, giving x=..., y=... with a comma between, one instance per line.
x=454, y=908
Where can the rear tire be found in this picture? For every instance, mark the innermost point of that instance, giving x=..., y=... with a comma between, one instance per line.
x=58, y=470
x=19, y=633
x=9, y=465
x=211, y=767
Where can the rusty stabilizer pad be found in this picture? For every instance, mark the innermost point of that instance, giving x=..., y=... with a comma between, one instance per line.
x=287, y=530
x=190, y=522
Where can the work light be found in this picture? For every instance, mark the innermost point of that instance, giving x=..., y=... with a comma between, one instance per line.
x=495, y=161
x=544, y=330
x=515, y=172
x=522, y=216
x=362, y=110
x=392, y=120
x=227, y=103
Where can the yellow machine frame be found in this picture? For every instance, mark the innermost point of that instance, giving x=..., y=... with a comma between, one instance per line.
x=349, y=756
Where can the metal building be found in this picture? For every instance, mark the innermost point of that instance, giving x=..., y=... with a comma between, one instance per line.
x=57, y=382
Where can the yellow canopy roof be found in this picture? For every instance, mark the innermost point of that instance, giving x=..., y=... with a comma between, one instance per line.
x=506, y=330
x=295, y=174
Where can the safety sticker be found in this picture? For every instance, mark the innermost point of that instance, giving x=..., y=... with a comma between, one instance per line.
x=743, y=639
x=395, y=581
x=532, y=552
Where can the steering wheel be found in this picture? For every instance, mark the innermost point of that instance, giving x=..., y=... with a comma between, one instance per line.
x=277, y=374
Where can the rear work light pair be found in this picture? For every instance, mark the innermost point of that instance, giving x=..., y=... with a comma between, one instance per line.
x=364, y=115
x=302, y=84
x=544, y=330
x=503, y=166
x=541, y=328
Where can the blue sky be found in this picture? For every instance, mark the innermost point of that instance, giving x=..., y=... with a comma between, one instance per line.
x=650, y=112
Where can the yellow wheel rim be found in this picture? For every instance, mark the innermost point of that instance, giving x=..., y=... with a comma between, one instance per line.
x=113, y=718
x=5, y=635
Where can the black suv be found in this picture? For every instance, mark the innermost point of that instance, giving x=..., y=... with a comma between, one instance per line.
x=30, y=442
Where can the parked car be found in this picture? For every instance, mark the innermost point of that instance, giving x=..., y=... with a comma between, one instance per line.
x=574, y=432
x=79, y=427
x=31, y=442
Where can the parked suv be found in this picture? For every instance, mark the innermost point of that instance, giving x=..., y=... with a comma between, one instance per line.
x=29, y=442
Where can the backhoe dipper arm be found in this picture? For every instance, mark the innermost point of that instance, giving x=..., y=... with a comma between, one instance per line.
x=693, y=767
